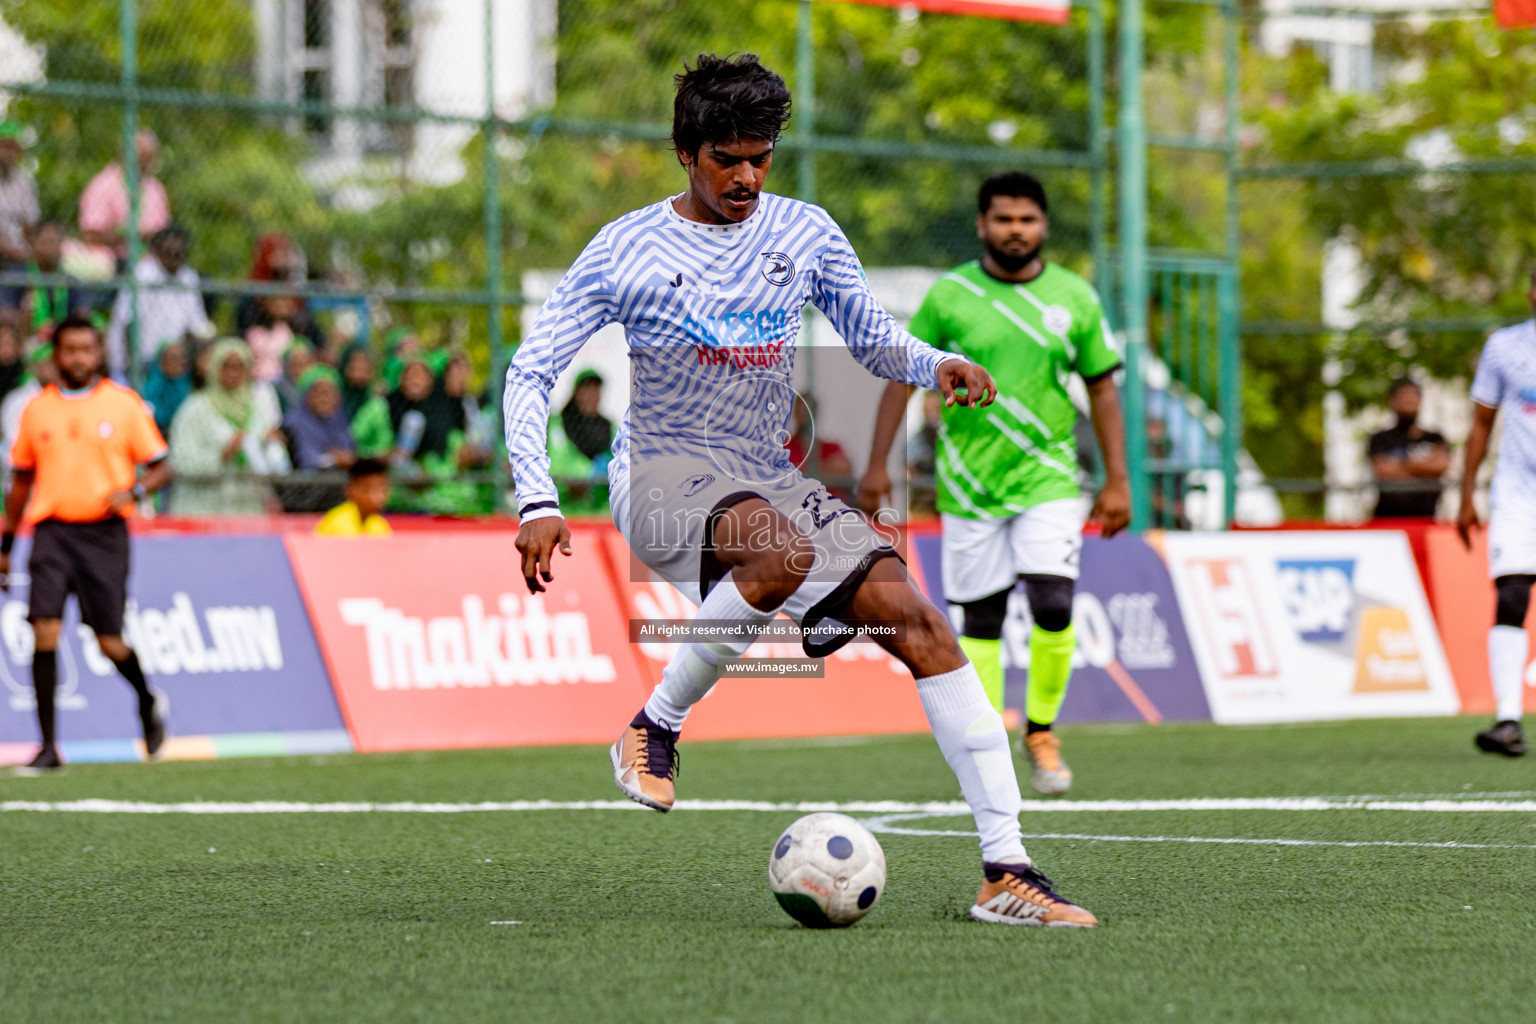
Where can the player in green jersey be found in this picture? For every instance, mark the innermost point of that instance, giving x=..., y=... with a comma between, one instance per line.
x=1007, y=480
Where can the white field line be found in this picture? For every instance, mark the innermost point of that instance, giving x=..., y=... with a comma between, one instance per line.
x=1464, y=795
x=895, y=830
x=891, y=824
x=936, y=808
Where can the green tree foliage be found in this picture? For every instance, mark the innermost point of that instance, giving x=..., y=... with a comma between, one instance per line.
x=230, y=176
x=1282, y=281
x=1435, y=245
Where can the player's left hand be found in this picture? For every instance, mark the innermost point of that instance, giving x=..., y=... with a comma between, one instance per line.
x=5, y=571
x=957, y=374
x=119, y=500
x=1112, y=508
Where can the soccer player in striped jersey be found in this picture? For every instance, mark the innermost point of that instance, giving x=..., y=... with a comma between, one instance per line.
x=1007, y=479
x=709, y=286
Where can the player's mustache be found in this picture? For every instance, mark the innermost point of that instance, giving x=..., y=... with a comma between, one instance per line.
x=740, y=195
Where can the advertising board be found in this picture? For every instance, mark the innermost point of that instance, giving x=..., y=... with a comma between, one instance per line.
x=218, y=627
x=1133, y=660
x=1463, y=599
x=1300, y=626
x=433, y=641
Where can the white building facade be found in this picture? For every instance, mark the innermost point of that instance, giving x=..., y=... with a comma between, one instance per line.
x=426, y=55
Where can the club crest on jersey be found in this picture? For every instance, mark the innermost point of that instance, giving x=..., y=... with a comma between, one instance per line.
x=1058, y=319
x=778, y=269
x=104, y=429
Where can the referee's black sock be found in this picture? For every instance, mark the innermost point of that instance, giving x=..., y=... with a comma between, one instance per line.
x=45, y=682
x=130, y=670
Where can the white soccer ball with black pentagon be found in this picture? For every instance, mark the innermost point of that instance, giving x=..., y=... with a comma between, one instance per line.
x=827, y=871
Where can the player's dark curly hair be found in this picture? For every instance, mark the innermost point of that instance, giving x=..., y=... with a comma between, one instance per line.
x=1013, y=185
x=725, y=98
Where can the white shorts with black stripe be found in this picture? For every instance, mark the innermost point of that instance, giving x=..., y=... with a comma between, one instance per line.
x=985, y=556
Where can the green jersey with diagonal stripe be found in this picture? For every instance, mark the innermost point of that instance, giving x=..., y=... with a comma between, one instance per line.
x=1019, y=451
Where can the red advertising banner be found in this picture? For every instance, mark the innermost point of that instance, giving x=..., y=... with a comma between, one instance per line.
x=1049, y=12
x=1515, y=13
x=1463, y=598
x=865, y=690
x=433, y=641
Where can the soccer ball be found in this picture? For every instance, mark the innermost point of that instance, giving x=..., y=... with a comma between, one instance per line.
x=827, y=871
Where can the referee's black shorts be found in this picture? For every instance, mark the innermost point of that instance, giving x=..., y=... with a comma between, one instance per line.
x=89, y=560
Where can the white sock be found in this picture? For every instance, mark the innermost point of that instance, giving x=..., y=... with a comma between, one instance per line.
x=1507, y=650
x=695, y=668
x=975, y=743
x=688, y=677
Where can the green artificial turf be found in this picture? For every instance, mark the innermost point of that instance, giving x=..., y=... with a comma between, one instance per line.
x=639, y=917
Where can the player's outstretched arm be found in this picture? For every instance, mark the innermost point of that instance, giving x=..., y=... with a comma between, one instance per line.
x=1112, y=507
x=874, y=338
x=581, y=304
x=1477, y=447
x=957, y=375
x=875, y=484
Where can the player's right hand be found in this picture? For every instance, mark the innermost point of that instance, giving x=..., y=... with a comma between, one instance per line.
x=955, y=374
x=5, y=572
x=874, y=486
x=537, y=542
x=1467, y=522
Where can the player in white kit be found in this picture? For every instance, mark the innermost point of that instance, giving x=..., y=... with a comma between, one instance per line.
x=1506, y=381
x=709, y=286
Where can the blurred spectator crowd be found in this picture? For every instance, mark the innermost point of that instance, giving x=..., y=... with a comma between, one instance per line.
x=267, y=400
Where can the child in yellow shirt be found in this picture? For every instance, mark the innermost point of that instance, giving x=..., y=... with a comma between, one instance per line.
x=367, y=494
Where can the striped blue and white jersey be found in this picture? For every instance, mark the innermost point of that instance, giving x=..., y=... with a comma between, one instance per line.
x=1506, y=380
x=711, y=313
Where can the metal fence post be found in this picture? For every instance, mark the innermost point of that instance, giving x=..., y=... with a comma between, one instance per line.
x=1133, y=252
x=805, y=164
x=491, y=214
x=805, y=101
x=1098, y=202
x=1230, y=313
x=128, y=37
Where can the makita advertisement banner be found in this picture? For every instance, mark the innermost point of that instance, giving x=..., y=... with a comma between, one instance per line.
x=1133, y=660
x=219, y=627
x=1300, y=626
x=433, y=641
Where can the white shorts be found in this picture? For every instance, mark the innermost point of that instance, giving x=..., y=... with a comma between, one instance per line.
x=1511, y=542
x=667, y=508
x=985, y=556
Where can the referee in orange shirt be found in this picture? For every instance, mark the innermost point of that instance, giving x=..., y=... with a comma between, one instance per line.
x=76, y=457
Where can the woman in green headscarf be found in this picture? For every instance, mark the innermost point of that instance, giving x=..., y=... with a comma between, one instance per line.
x=401, y=344
x=358, y=378
x=224, y=439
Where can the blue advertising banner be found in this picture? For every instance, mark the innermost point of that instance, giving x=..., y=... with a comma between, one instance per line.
x=219, y=627
x=1133, y=660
